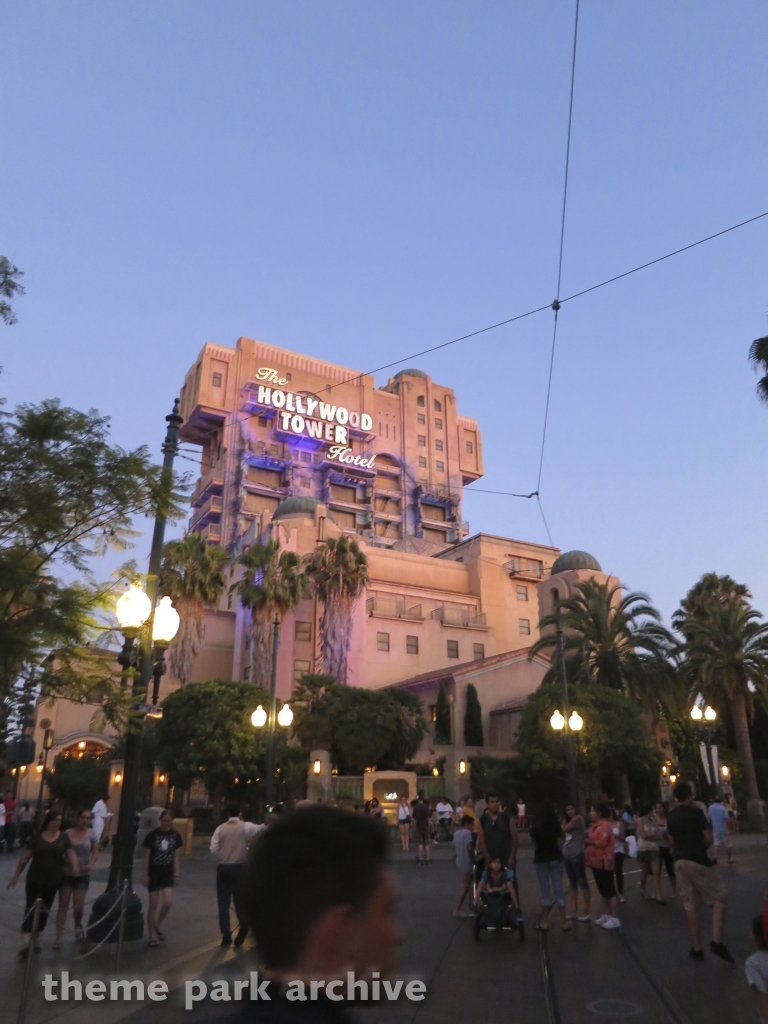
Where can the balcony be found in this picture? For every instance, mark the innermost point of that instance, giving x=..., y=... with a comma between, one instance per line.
x=211, y=534
x=459, y=617
x=213, y=480
x=526, y=567
x=209, y=510
x=393, y=607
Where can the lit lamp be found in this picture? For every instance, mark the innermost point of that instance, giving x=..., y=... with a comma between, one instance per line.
x=462, y=767
x=725, y=770
x=81, y=745
x=259, y=718
x=557, y=721
x=285, y=716
x=673, y=779
x=575, y=722
x=132, y=610
x=709, y=713
x=696, y=713
x=165, y=626
x=118, y=778
x=317, y=766
x=435, y=770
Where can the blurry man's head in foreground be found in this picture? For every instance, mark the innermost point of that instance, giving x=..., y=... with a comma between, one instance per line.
x=320, y=896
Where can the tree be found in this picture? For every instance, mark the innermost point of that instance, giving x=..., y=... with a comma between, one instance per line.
x=443, y=731
x=192, y=577
x=758, y=356
x=473, y=719
x=726, y=660
x=310, y=704
x=79, y=781
x=610, y=641
x=339, y=572
x=271, y=585
x=10, y=286
x=66, y=494
x=410, y=729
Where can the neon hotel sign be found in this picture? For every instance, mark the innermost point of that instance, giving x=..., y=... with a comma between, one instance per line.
x=309, y=417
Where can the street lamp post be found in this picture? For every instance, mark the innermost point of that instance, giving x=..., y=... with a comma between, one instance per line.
x=705, y=720
x=138, y=625
x=47, y=744
x=260, y=718
x=569, y=753
x=573, y=724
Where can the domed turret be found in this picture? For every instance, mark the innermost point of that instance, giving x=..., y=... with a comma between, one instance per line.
x=299, y=506
x=575, y=560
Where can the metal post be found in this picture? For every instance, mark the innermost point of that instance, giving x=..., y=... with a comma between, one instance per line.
x=28, y=965
x=39, y=807
x=567, y=714
x=715, y=781
x=272, y=724
x=121, y=931
x=121, y=867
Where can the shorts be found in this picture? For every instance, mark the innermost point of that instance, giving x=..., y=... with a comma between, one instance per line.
x=648, y=856
x=422, y=835
x=722, y=840
x=697, y=882
x=577, y=873
x=160, y=878
x=80, y=883
x=604, y=882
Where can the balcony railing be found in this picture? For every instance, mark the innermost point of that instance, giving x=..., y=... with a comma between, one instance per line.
x=212, y=507
x=393, y=608
x=458, y=617
x=213, y=478
x=212, y=533
x=526, y=567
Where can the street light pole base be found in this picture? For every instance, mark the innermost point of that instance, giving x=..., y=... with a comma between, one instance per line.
x=105, y=915
x=756, y=815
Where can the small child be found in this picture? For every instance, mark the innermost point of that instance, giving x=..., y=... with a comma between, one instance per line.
x=757, y=968
x=497, y=880
x=464, y=846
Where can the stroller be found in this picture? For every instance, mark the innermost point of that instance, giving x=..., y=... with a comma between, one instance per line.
x=494, y=912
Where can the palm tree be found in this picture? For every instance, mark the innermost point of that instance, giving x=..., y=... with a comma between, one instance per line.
x=725, y=657
x=192, y=577
x=758, y=356
x=612, y=641
x=271, y=585
x=339, y=572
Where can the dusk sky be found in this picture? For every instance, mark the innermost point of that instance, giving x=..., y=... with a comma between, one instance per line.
x=361, y=181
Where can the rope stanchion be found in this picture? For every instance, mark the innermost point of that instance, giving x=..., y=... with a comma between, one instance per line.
x=36, y=909
x=122, y=903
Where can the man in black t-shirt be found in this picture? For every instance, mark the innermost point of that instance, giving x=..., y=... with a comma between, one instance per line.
x=690, y=836
x=497, y=834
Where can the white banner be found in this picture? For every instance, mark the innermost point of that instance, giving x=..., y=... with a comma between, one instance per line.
x=705, y=762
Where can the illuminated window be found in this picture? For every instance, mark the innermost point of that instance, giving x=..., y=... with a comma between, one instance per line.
x=422, y=462
x=439, y=445
x=302, y=631
x=440, y=467
x=470, y=448
x=525, y=627
x=522, y=593
x=422, y=440
x=411, y=645
x=432, y=712
x=438, y=423
x=438, y=406
x=421, y=418
x=300, y=668
x=478, y=651
x=420, y=401
x=453, y=648
x=217, y=380
x=382, y=641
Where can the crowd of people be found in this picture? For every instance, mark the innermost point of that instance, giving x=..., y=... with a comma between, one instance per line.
x=16, y=817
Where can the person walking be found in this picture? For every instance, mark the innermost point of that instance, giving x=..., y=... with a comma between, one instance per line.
x=161, y=873
x=464, y=847
x=24, y=815
x=599, y=846
x=2, y=825
x=690, y=837
x=520, y=812
x=75, y=887
x=648, y=836
x=444, y=819
x=229, y=843
x=619, y=853
x=404, y=823
x=574, y=830
x=718, y=815
x=46, y=853
x=10, y=807
x=547, y=835
x=497, y=834
x=421, y=816
x=664, y=851
x=99, y=815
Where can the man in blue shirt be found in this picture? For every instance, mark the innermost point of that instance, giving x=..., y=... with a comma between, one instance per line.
x=718, y=815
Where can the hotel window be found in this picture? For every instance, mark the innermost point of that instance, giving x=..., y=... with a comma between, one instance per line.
x=522, y=593
x=382, y=641
x=302, y=631
x=438, y=423
x=422, y=440
x=306, y=456
x=289, y=376
x=438, y=406
x=439, y=445
x=263, y=421
x=470, y=448
x=246, y=673
x=478, y=651
x=217, y=380
x=525, y=627
x=421, y=418
x=411, y=645
x=432, y=712
x=305, y=481
x=440, y=467
x=300, y=668
x=453, y=648
x=422, y=462
x=420, y=401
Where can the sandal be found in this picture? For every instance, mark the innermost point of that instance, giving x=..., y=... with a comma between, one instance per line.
x=79, y=934
x=161, y=935
x=154, y=944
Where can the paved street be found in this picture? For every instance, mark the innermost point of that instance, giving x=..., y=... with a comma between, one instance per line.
x=597, y=974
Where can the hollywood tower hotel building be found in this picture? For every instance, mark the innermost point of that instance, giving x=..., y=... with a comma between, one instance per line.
x=301, y=450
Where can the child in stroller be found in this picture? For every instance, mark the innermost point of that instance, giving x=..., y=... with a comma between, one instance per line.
x=496, y=902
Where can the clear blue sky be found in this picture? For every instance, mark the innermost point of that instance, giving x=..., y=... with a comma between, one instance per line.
x=360, y=181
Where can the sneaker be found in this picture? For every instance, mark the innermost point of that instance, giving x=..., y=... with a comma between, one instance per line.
x=611, y=922
x=696, y=954
x=570, y=917
x=241, y=934
x=722, y=951
x=621, y=899
x=601, y=920
x=584, y=917
x=226, y=940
